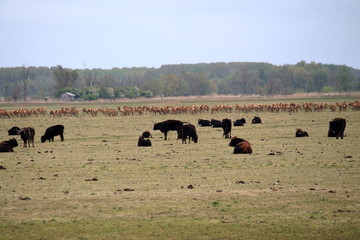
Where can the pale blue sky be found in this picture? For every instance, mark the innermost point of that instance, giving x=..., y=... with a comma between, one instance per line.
x=138, y=33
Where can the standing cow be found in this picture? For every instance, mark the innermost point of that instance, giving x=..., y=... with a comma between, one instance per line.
x=226, y=126
x=169, y=125
x=337, y=128
x=27, y=135
x=189, y=131
x=53, y=131
x=7, y=146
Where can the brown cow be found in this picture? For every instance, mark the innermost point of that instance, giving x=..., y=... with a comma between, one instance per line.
x=243, y=148
x=27, y=135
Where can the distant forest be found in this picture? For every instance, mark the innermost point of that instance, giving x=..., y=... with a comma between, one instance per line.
x=236, y=78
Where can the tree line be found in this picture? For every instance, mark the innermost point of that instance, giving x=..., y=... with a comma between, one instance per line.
x=237, y=78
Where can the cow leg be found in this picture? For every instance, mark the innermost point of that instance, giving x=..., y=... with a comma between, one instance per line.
x=165, y=135
x=62, y=136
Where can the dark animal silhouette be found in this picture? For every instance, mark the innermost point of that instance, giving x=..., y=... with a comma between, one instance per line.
x=169, y=125
x=189, y=131
x=14, y=131
x=243, y=148
x=226, y=126
x=239, y=122
x=27, y=135
x=142, y=142
x=256, y=120
x=7, y=146
x=204, y=123
x=235, y=140
x=53, y=131
x=300, y=133
x=216, y=123
x=146, y=134
x=337, y=128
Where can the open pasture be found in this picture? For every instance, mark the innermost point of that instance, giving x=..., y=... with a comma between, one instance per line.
x=98, y=184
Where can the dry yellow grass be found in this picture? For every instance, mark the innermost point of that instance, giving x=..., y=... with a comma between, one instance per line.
x=308, y=189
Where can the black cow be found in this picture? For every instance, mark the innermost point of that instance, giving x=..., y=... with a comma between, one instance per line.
x=142, y=142
x=27, y=135
x=243, y=148
x=216, y=123
x=204, y=123
x=7, y=146
x=146, y=134
x=14, y=131
x=235, y=140
x=300, y=133
x=239, y=122
x=226, y=126
x=337, y=128
x=256, y=120
x=189, y=131
x=169, y=125
x=53, y=131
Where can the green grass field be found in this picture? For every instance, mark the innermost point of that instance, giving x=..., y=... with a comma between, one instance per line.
x=289, y=188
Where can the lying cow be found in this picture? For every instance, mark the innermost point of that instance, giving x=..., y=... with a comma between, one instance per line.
x=235, y=140
x=169, y=125
x=256, y=120
x=142, y=142
x=146, y=134
x=14, y=131
x=337, y=128
x=27, y=135
x=7, y=146
x=239, y=122
x=189, y=131
x=53, y=131
x=204, y=123
x=243, y=148
x=300, y=133
x=226, y=126
x=216, y=123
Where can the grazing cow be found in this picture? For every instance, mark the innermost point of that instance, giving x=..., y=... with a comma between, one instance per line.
x=243, y=148
x=300, y=133
x=226, y=126
x=53, y=131
x=142, y=142
x=235, y=140
x=216, y=123
x=7, y=146
x=27, y=135
x=169, y=125
x=337, y=128
x=256, y=120
x=189, y=131
x=146, y=134
x=14, y=131
x=204, y=123
x=239, y=122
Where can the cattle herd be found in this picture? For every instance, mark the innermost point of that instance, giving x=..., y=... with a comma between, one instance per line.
x=27, y=134
x=185, y=131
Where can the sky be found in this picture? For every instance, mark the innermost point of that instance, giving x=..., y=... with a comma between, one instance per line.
x=138, y=33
